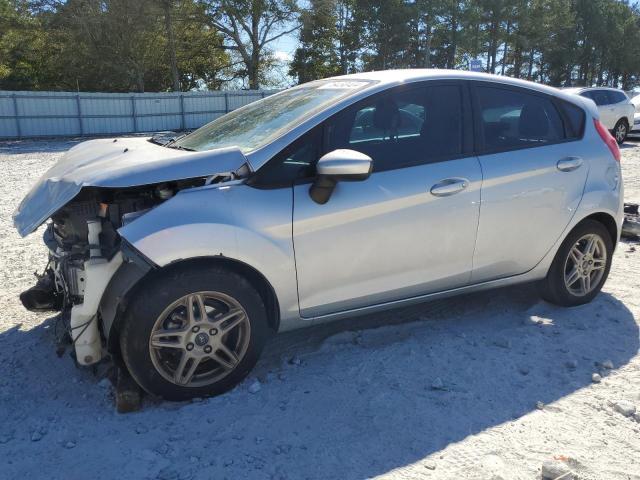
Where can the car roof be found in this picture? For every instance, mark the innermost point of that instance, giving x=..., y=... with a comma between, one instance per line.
x=392, y=77
x=388, y=78
x=586, y=89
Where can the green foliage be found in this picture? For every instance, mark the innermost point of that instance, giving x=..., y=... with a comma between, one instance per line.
x=121, y=45
x=560, y=42
x=107, y=45
x=317, y=56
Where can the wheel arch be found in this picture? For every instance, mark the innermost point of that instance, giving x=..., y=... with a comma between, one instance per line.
x=609, y=223
x=117, y=297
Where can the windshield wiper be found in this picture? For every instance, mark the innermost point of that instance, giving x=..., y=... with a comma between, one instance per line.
x=180, y=147
x=157, y=141
x=175, y=139
x=165, y=140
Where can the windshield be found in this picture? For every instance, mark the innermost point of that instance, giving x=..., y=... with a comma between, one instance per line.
x=256, y=124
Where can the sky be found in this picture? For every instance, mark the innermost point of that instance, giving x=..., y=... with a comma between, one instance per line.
x=283, y=49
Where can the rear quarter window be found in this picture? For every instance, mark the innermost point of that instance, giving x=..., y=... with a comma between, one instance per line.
x=574, y=118
x=617, y=97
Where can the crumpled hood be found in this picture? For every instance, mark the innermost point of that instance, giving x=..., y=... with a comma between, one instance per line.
x=121, y=163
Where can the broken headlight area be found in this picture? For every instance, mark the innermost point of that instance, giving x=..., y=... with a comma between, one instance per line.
x=85, y=252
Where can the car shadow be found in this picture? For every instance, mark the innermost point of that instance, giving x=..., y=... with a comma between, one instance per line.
x=349, y=400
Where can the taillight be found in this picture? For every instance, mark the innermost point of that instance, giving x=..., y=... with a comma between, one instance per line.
x=607, y=138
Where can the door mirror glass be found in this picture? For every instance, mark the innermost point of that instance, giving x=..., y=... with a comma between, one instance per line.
x=341, y=165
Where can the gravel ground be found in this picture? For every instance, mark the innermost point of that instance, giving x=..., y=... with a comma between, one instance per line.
x=487, y=386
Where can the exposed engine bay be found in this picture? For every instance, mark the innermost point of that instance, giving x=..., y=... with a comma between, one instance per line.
x=98, y=187
x=84, y=253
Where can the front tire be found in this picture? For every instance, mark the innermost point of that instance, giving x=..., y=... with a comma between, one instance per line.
x=620, y=131
x=193, y=332
x=580, y=267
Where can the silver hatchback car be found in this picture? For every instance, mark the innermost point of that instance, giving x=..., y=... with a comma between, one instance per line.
x=335, y=198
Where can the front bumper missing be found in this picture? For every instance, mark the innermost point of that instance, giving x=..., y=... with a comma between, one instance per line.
x=84, y=316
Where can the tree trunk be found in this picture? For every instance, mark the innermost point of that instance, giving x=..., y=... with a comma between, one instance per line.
x=254, y=67
x=342, y=22
x=140, y=81
x=506, y=48
x=531, y=58
x=427, y=53
x=476, y=40
x=254, y=71
x=517, y=61
x=493, y=45
x=568, y=80
x=173, y=61
x=451, y=61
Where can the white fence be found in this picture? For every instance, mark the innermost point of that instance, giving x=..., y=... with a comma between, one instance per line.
x=50, y=114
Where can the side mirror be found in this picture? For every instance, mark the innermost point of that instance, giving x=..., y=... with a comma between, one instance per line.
x=339, y=166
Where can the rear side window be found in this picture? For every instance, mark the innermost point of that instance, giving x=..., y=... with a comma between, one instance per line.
x=601, y=97
x=574, y=120
x=512, y=119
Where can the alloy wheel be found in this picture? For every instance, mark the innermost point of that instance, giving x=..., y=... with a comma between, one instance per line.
x=199, y=339
x=621, y=132
x=585, y=265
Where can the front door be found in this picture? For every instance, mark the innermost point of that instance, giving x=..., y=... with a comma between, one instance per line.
x=410, y=228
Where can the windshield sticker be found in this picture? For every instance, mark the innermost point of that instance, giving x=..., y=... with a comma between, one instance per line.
x=340, y=86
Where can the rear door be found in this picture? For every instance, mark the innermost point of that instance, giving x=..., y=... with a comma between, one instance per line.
x=534, y=169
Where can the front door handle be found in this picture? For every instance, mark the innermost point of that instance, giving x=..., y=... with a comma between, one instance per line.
x=449, y=186
x=569, y=164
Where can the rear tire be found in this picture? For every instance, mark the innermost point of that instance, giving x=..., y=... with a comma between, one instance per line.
x=176, y=352
x=621, y=131
x=580, y=267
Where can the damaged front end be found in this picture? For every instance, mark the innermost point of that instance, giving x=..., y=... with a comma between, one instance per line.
x=85, y=252
x=108, y=192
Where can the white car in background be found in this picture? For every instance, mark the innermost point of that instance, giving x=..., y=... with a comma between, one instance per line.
x=636, y=119
x=616, y=110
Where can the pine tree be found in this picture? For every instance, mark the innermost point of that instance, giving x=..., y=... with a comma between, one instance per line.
x=316, y=57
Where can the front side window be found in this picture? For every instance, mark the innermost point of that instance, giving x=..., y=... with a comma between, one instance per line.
x=512, y=119
x=259, y=123
x=404, y=127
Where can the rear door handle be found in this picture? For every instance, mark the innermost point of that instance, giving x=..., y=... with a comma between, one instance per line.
x=449, y=186
x=569, y=164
